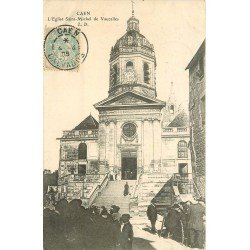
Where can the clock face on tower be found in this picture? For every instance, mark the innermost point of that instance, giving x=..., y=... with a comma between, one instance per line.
x=129, y=77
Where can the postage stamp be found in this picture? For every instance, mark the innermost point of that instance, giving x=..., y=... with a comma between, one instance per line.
x=65, y=47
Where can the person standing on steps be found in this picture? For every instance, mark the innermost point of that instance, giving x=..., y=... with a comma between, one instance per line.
x=126, y=189
x=152, y=216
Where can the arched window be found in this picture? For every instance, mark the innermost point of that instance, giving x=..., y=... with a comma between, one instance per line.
x=82, y=151
x=129, y=66
x=182, y=149
x=115, y=74
x=146, y=72
x=171, y=109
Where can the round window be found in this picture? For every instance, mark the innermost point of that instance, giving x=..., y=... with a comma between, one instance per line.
x=129, y=129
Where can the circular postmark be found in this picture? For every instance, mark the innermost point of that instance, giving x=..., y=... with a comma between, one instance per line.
x=65, y=47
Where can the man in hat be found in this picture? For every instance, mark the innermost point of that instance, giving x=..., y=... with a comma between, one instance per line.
x=105, y=232
x=127, y=233
x=172, y=222
x=116, y=222
x=62, y=209
x=114, y=211
x=103, y=210
x=196, y=215
x=152, y=216
x=184, y=220
x=74, y=219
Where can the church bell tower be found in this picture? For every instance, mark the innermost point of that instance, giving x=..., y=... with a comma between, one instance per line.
x=130, y=117
x=132, y=63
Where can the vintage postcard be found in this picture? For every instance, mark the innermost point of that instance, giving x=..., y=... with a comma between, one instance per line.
x=124, y=124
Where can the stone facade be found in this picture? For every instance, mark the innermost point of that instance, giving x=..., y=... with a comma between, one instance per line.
x=172, y=160
x=131, y=103
x=137, y=135
x=197, y=76
x=79, y=156
x=69, y=160
x=145, y=144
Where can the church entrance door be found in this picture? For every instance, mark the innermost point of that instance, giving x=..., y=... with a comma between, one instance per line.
x=129, y=168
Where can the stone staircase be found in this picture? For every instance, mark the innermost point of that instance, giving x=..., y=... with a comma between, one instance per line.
x=113, y=195
x=149, y=186
x=75, y=186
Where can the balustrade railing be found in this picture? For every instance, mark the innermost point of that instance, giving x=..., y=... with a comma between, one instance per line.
x=181, y=129
x=97, y=190
x=141, y=49
x=80, y=133
x=173, y=130
x=183, y=176
x=135, y=191
x=168, y=130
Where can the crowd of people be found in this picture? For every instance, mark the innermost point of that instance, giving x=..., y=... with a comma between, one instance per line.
x=184, y=222
x=69, y=225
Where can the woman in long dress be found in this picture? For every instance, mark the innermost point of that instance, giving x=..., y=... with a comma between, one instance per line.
x=126, y=189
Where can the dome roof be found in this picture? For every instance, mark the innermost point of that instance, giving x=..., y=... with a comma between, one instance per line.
x=132, y=41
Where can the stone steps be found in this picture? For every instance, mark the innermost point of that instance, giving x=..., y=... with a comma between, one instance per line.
x=150, y=185
x=113, y=195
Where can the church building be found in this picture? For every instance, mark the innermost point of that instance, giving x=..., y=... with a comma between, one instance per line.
x=136, y=135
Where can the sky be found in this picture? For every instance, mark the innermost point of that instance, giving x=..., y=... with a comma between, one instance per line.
x=176, y=29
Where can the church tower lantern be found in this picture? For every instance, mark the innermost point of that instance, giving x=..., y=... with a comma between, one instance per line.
x=132, y=62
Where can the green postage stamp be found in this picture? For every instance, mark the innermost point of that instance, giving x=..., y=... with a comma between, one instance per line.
x=65, y=47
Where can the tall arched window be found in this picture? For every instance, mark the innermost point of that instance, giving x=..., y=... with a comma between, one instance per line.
x=182, y=149
x=115, y=74
x=129, y=66
x=82, y=151
x=146, y=72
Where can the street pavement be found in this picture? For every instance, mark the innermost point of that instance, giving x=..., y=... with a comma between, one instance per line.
x=144, y=239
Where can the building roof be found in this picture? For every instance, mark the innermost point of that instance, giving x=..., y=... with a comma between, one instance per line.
x=197, y=55
x=133, y=41
x=129, y=99
x=137, y=40
x=181, y=120
x=88, y=123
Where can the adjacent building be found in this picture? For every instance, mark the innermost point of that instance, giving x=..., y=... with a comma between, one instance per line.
x=197, y=116
x=79, y=160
